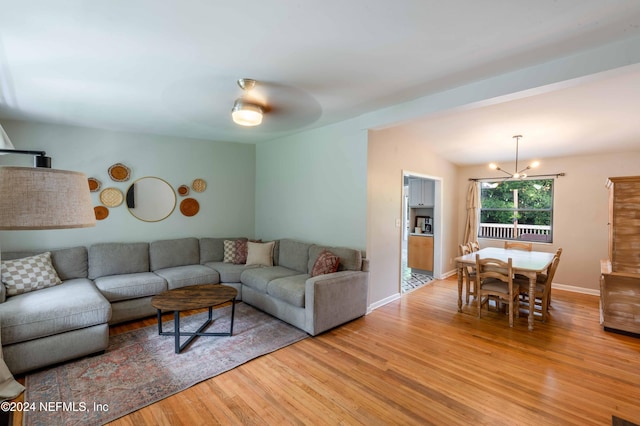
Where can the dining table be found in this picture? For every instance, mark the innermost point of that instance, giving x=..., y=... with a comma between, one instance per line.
x=524, y=262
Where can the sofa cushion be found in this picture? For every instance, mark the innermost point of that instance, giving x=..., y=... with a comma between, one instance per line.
x=229, y=272
x=130, y=286
x=69, y=263
x=260, y=253
x=72, y=305
x=182, y=276
x=118, y=258
x=350, y=259
x=294, y=255
x=170, y=253
x=258, y=278
x=289, y=289
x=326, y=263
x=29, y=274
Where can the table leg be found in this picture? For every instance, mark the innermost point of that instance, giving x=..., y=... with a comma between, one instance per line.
x=176, y=327
x=532, y=298
x=159, y=322
x=233, y=313
x=460, y=272
x=193, y=334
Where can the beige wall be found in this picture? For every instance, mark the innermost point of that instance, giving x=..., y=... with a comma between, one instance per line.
x=580, y=211
x=390, y=153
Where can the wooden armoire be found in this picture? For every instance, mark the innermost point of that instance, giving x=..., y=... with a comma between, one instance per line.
x=620, y=278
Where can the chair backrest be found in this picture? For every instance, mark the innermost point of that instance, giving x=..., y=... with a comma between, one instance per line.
x=518, y=245
x=473, y=246
x=462, y=250
x=494, y=268
x=551, y=272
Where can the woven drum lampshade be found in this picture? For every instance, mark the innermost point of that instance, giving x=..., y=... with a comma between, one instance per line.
x=41, y=198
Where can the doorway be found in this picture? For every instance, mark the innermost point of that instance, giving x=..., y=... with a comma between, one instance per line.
x=421, y=242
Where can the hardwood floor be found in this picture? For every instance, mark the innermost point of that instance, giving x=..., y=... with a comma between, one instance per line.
x=418, y=361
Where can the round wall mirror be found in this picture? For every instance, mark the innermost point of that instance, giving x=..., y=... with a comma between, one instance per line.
x=151, y=199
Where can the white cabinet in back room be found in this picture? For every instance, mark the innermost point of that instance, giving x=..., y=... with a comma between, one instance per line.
x=421, y=192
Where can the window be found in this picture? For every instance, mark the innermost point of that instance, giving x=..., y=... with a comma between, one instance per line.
x=517, y=210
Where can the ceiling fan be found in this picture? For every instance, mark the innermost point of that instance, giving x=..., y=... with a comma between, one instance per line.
x=266, y=106
x=247, y=111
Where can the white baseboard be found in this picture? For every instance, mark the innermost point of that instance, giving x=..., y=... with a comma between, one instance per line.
x=383, y=302
x=446, y=275
x=574, y=289
x=565, y=287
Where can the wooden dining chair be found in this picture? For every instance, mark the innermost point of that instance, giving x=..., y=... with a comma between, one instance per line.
x=494, y=278
x=542, y=296
x=518, y=245
x=469, y=273
x=541, y=278
x=473, y=246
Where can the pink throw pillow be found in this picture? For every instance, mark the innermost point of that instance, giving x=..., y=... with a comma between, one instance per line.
x=241, y=252
x=326, y=263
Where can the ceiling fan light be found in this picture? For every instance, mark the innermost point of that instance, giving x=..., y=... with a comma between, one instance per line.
x=493, y=166
x=246, y=114
x=534, y=164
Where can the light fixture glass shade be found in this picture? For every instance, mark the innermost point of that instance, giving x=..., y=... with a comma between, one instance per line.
x=5, y=142
x=246, y=114
x=37, y=198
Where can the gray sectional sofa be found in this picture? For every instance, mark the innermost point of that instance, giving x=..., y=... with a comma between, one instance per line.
x=109, y=283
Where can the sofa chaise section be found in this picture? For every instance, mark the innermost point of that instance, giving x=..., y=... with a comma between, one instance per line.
x=55, y=324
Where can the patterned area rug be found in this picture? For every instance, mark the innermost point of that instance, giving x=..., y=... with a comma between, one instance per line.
x=140, y=368
x=414, y=280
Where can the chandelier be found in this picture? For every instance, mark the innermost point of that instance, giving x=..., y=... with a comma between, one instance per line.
x=518, y=174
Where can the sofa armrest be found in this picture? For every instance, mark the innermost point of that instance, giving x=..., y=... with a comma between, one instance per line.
x=333, y=299
x=365, y=265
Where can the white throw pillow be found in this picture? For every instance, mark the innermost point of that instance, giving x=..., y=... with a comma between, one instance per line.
x=260, y=253
x=29, y=274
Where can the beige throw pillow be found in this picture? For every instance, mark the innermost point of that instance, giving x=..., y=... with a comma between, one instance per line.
x=260, y=253
x=29, y=274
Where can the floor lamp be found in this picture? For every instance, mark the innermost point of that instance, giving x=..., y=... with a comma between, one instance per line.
x=34, y=198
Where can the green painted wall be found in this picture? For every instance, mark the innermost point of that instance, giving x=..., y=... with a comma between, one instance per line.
x=312, y=186
x=227, y=206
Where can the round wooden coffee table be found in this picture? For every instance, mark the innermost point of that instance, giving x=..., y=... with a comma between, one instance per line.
x=193, y=297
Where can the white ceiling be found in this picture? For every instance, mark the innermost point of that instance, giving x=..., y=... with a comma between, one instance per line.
x=594, y=117
x=170, y=66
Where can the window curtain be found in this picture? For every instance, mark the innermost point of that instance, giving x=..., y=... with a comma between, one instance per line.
x=473, y=208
